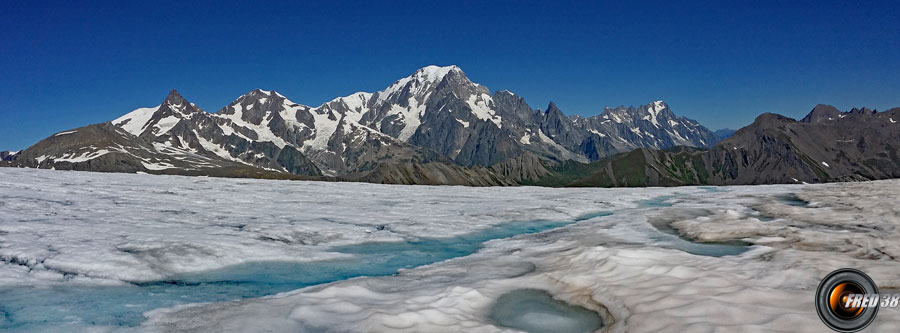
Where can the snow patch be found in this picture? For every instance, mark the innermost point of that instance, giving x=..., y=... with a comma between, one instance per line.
x=135, y=121
x=655, y=109
x=164, y=125
x=480, y=105
x=64, y=133
x=411, y=115
x=525, y=139
x=602, y=135
x=85, y=156
x=157, y=166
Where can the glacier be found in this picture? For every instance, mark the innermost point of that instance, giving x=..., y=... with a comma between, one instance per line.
x=97, y=251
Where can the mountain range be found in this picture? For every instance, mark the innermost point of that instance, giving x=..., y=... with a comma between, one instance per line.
x=724, y=133
x=438, y=127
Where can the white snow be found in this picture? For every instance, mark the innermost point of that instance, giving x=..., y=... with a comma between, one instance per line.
x=464, y=123
x=325, y=128
x=64, y=133
x=596, y=264
x=525, y=139
x=892, y=120
x=412, y=117
x=654, y=110
x=136, y=120
x=157, y=166
x=164, y=125
x=616, y=117
x=480, y=105
x=602, y=135
x=678, y=138
x=826, y=165
x=216, y=149
x=565, y=152
x=357, y=101
x=637, y=131
x=152, y=227
x=75, y=157
x=262, y=130
x=434, y=73
x=147, y=213
x=422, y=79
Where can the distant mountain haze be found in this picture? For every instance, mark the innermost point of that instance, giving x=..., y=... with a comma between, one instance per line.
x=724, y=133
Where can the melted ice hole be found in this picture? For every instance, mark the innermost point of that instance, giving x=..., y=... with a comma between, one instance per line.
x=533, y=310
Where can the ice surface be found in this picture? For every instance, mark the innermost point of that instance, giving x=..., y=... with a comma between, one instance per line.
x=610, y=265
x=92, y=242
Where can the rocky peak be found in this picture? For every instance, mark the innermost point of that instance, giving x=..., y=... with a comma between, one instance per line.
x=510, y=105
x=174, y=98
x=658, y=108
x=554, y=115
x=863, y=110
x=258, y=96
x=822, y=113
x=770, y=120
x=420, y=84
x=176, y=104
x=255, y=105
x=555, y=124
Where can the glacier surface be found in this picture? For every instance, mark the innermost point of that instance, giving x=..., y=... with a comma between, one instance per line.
x=168, y=253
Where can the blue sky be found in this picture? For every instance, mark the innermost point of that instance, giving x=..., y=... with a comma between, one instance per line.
x=68, y=64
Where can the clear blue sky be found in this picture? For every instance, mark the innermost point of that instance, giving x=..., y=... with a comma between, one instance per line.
x=68, y=64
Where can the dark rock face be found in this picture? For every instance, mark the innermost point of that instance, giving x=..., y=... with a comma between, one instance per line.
x=526, y=167
x=822, y=113
x=8, y=155
x=433, y=174
x=103, y=147
x=557, y=127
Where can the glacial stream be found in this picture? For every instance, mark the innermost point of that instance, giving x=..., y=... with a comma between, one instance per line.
x=43, y=308
x=39, y=309
x=670, y=237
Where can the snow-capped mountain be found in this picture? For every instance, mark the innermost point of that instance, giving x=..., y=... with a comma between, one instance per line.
x=647, y=126
x=434, y=116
